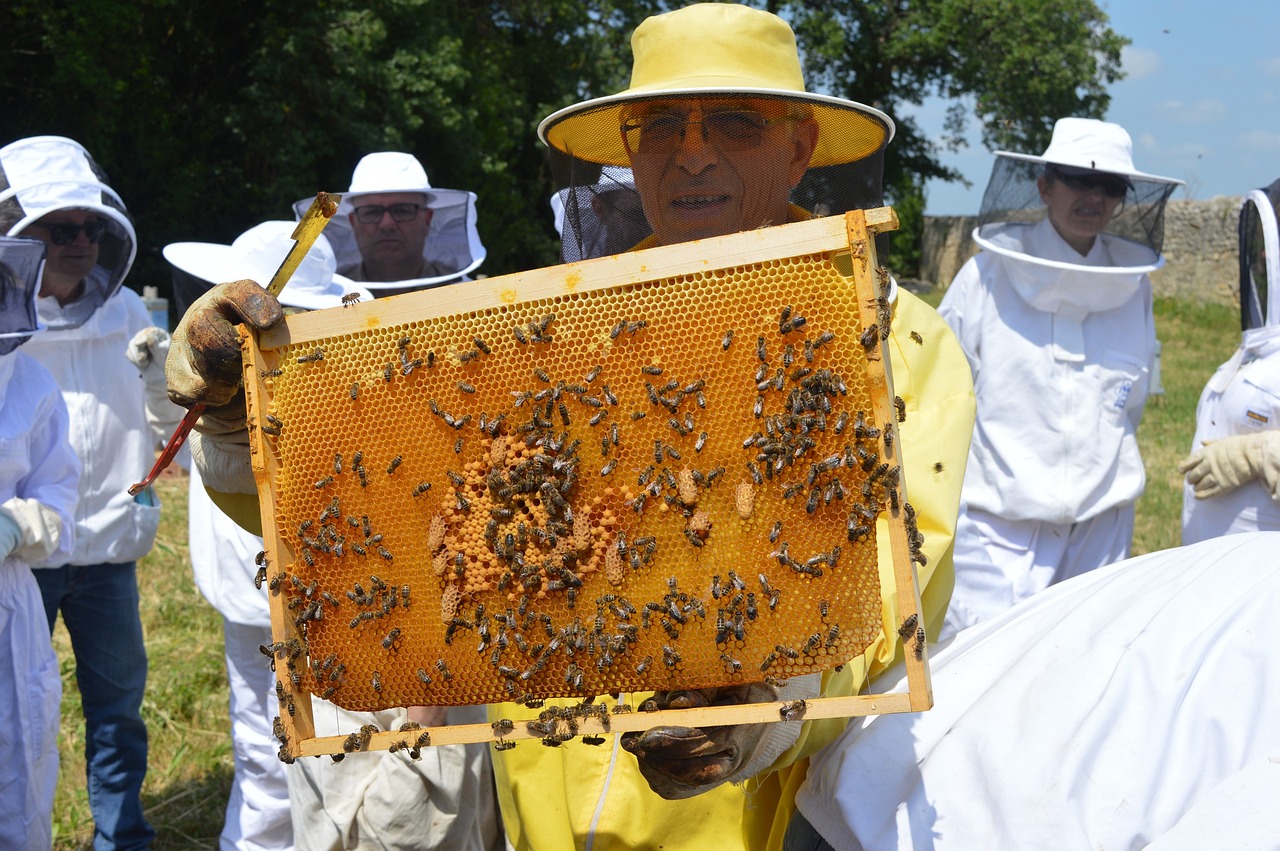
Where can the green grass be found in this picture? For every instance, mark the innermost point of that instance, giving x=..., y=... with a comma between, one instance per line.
x=186, y=703
x=185, y=707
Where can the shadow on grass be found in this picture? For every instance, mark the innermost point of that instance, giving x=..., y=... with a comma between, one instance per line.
x=186, y=814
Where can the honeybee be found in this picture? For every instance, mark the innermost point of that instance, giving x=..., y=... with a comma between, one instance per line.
x=919, y=341
x=395, y=462
x=793, y=710
x=350, y=299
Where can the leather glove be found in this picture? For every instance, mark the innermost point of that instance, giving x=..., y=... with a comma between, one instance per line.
x=680, y=762
x=204, y=365
x=1223, y=465
x=29, y=530
x=204, y=362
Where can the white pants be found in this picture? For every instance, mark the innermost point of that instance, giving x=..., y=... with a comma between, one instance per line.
x=382, y=801
x=258, y=815
x=30, y=709
x=1001, y=562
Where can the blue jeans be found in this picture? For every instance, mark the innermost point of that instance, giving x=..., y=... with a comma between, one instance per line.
x=99, y=605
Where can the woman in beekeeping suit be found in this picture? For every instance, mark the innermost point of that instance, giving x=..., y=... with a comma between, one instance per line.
x=1055, y=317
x=51, y=189
x=38, y=475
x=1233, y=472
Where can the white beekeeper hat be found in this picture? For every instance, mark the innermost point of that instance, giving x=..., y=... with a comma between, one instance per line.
x=1088, y=143
x=452, y=243
x=257, y=253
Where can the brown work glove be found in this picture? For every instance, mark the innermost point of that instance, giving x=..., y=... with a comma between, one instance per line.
x=680, y=762
x=204, y=366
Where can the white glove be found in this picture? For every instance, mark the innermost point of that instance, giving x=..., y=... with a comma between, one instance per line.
x=1223, y=465
x=38, y=527
x=223, y=459
x=147, y=351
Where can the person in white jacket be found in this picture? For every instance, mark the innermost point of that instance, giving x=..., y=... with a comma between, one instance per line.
x=1132, y=707
x=1233, y=472
x=443, y=799
x=119, y=414
x=38, y=476
x=1055, y=317
x=396, y=233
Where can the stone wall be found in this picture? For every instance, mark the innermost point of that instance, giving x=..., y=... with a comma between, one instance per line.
x=1199, y=248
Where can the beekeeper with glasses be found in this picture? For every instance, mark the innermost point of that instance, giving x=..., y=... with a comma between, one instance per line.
x=1055, y=317
x=53, y=190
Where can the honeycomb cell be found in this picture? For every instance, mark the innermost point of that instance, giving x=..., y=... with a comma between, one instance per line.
x=659, y=485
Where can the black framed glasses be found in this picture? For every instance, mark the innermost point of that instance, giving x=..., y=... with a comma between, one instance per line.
x=371, y=214
x=661, y=132
x=1109, y=184
x=64, y=233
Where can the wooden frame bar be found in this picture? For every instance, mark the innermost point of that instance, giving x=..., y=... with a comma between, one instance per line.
x=852, y=234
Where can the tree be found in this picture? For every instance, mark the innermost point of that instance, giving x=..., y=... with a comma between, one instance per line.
x=212, y=115
x=1015, y=66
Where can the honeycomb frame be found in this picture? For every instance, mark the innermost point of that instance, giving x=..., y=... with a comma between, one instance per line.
x=526, y=604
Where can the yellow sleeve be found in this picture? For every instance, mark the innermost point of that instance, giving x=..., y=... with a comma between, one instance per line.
x=934, y=381
x=242, y=508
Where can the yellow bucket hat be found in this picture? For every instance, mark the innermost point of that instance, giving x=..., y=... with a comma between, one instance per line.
x=708, y=50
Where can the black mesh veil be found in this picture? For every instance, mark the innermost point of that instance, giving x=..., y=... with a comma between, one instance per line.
x=1012, y=198
x=20, y=265
x=601, y=210
x=1259, y=255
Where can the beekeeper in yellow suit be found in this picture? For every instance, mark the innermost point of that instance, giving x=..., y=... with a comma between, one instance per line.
x=720, y=133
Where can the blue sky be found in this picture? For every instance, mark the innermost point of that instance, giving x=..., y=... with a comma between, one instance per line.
x=1201, y=99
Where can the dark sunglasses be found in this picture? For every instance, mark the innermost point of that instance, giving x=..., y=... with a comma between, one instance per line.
x=64, y=233
x=1108, y=184
x=371, y=214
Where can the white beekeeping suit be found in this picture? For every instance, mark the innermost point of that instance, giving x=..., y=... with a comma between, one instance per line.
x=1132, y=707
x=1233, y=473
x=1055, y=317
x=38, y=490
x=223, y=556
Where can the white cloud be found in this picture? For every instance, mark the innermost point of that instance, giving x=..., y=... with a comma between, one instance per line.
x=1139, y=62
x=1270, y=67
x=1202, y=111
x=1261, y=140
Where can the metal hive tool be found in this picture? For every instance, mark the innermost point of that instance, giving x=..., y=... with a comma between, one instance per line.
x=652, y=471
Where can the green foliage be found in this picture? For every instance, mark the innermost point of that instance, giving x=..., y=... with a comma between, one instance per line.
x=212, y=115
x=1015, y=66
